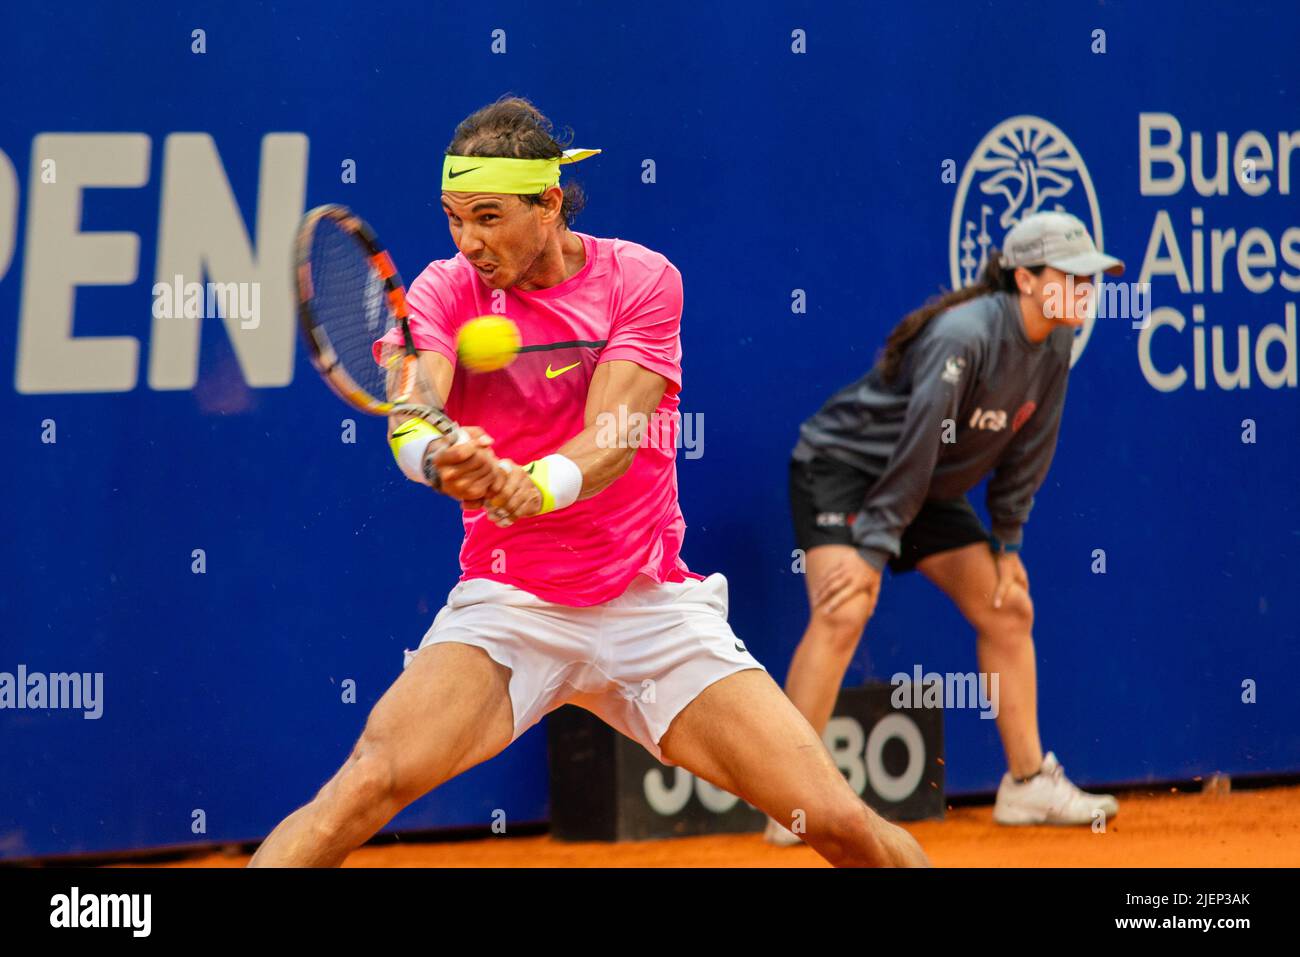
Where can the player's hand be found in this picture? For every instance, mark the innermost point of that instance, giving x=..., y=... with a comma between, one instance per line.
x=1011, y=572
x=850, y=575
x=518, y=497
x=468, y=471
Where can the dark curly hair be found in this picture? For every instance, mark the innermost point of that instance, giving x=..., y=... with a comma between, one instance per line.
x=512, y=127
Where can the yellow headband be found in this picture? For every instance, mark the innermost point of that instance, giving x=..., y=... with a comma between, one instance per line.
x=499, y=174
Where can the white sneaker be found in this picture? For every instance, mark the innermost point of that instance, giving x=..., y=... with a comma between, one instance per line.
x=779, y=835
x=1049, y=798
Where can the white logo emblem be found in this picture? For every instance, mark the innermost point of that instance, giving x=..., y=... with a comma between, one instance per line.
x=952, y=367
x=994, y=420
x=1023, y=165
x=833, y=519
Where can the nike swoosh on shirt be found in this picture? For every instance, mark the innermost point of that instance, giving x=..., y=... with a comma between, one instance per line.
x=552, y=373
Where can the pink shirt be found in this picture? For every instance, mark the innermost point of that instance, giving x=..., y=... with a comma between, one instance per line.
x=624, y=303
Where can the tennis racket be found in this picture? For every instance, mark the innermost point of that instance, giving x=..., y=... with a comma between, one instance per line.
x=350, y=297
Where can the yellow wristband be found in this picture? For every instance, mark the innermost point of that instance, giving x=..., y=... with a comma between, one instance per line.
x=540, y=473
x=558, y=479
x=409, y=441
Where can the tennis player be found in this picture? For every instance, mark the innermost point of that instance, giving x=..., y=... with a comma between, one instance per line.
x=969, y=386
x=573, y=589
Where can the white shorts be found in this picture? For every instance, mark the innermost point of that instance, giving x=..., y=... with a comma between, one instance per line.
x=635, y=661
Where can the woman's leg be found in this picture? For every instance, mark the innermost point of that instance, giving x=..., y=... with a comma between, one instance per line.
x=827, y=646
x=1004, y=645
x=1035, y=790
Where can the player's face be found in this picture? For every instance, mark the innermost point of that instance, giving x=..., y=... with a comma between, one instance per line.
x=1063, y=298
x=499, y=234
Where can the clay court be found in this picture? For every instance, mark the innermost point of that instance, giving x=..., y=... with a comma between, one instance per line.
x=1256, y=828
x=701, y=386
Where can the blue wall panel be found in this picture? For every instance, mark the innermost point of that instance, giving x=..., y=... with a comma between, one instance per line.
x=776, y=171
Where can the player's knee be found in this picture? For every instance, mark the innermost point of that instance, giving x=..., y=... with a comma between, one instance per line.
x=842, y=627
x=846, y=834
x=367, y=785
x=361, y=798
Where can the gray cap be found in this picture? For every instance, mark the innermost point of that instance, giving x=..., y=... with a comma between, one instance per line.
x=1058, y=240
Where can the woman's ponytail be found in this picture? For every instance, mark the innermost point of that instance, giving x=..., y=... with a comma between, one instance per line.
x=993, y=279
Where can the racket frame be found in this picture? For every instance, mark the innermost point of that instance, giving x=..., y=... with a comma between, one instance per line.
x=321, y=350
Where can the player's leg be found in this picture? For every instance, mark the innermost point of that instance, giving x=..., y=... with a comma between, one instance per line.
x=743, y=735
x=683, y=685
x=449, y=710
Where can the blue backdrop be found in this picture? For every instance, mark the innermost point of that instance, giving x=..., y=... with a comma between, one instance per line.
x=793, y=149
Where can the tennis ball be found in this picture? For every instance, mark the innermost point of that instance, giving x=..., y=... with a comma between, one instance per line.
x=487, y=343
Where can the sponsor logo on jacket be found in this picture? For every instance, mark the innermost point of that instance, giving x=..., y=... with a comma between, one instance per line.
x=993, y=420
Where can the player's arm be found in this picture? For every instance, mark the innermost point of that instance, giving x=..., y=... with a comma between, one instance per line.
x=640, y=361
x=464, y=475
x=432, y=384
x=621, y=392
x=621, y=395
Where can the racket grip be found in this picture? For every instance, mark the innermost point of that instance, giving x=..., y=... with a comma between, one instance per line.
x=458, y=436
x=431, y=471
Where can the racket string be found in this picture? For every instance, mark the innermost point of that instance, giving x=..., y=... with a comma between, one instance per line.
x=350, y=304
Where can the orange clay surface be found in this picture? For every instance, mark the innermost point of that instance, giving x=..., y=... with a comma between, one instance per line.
x=1258, y=828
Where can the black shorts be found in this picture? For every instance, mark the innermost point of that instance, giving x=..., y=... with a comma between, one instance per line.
x=825, y=496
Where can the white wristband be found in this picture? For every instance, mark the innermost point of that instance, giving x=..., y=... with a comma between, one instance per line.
x=410, y=459
x=558, y=479
x=566, y=480
x=409, y=442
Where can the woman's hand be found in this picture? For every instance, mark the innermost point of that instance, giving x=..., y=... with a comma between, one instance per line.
x=849, y=575
x=1011, y=571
